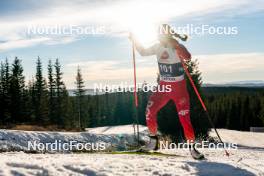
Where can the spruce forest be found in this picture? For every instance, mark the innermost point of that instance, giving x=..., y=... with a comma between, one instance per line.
x=45, y=101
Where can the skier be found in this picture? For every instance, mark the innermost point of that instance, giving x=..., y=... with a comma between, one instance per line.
x=169, y=54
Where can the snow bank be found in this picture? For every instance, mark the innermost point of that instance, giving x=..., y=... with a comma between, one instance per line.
x=113, y=137
x=242, y=138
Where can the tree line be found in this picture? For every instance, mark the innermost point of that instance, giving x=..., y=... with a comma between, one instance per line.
x=45, y=101
x=41, y=101
x=236, y=108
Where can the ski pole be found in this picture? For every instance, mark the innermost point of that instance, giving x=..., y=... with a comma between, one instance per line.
x=202, y=103
x=135, y=88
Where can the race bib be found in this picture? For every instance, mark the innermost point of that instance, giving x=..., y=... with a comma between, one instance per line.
x=171, y=70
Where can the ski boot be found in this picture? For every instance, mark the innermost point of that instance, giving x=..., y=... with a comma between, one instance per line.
x=195, y=153
x=152, y=144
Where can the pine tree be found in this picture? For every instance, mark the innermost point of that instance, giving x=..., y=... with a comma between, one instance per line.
x=2, y=72
x=79, y=93
x=5, y=93
x=17, y=90
x=58, y=89
x=40, y=96
x=58, y=93
x=51, y=90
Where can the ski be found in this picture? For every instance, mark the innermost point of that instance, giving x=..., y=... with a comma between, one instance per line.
x=142, y=152
x=154, y=153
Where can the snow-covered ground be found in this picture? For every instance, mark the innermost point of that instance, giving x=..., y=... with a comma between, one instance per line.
x=112, y=137
x=247, y=160
x=19, y=163
x=242, y=138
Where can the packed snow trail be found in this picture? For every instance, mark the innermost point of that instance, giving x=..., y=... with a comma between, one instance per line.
x=19, y=163
x=248, y=159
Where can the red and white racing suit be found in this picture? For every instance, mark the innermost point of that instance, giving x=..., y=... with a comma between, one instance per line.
x=171, y=73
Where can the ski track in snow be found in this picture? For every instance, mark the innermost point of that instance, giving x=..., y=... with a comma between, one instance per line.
x=20, y=163
x=247, y=160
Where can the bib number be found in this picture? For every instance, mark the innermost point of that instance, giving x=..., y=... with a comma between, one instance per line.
x=171, y=70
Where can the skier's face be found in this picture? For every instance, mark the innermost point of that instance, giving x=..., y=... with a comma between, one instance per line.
x=167, y=41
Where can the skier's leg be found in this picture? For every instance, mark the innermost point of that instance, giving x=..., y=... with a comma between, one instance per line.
x=181, y=99
x=182, y=102
x=156, y=101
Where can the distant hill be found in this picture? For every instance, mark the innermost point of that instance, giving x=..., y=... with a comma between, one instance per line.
x=256, y=83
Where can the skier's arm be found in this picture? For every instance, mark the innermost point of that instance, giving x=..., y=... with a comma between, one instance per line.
x=183, y=52
x=143, y=51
